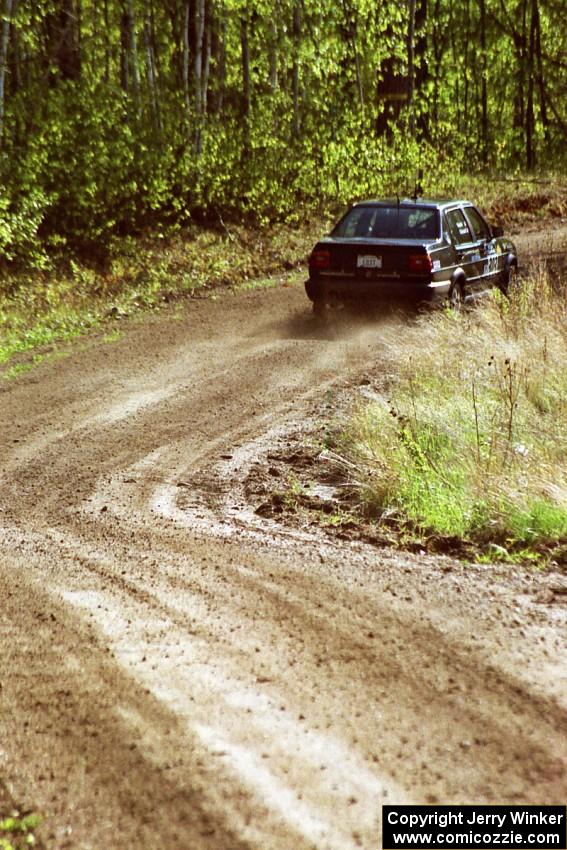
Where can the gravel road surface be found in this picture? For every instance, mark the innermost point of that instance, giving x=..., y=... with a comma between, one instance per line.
x=177, y=673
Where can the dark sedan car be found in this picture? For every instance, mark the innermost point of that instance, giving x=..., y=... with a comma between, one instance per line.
x=410, y=250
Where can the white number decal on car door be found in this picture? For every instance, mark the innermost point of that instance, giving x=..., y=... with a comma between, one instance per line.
x=491, y=264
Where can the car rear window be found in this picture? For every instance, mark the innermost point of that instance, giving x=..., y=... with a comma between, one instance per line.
x=395, y=222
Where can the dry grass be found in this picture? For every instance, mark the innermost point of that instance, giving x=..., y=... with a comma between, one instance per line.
x=473, y=441
x=517, y=203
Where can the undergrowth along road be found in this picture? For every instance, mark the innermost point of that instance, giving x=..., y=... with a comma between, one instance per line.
x=470, y=440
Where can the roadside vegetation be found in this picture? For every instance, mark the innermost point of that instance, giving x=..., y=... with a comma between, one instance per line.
x=42, y=309
x=471, y=444
x=17, y=833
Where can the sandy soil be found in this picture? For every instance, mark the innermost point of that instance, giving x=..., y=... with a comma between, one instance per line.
x=179, y=672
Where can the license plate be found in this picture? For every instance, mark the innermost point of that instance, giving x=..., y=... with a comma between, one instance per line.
x=368, y=261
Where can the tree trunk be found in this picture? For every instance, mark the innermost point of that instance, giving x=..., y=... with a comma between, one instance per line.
x=483, y=84
x=468, y=41
x=455, y=51
x=411, y=71
x=438, y=50
x=198, y=54
x=351, y=36
x=421, y=63
x=216, y=52
x=107, y=47
x=540, y=76
x=530, y=117
x=124, y=51
x=4, y=38
x=151, y=73
x=62, y=49
x=155, y=50
x=206, y=64
x=296, y=33
x=129, y=70
x=69, y=52
x=133, y=49
x=221, y=74
x=274, y=43
x=186, y=58
x=392, y=90
x=245, y=56
x=198, y=71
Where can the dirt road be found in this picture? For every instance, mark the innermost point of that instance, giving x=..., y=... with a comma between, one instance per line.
x=176, y=672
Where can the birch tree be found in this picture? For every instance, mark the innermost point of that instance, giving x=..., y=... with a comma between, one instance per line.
x=4, y=37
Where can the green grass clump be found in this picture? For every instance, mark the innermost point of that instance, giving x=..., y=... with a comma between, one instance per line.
x=472, y=443
x=17, y=833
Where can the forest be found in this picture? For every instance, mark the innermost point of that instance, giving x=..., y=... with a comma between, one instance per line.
x=121, y=115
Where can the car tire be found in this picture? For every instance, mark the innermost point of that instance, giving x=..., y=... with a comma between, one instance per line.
x=457, y=298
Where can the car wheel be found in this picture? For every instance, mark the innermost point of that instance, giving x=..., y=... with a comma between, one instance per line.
x=456, y=298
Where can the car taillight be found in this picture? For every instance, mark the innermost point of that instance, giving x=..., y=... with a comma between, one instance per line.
x=420, y=263
x=320, y=260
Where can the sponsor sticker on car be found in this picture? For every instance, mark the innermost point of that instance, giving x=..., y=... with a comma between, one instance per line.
x=368, y=261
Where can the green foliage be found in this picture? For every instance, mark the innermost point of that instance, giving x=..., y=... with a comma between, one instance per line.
x=16, y=833
x=113, y=124
x=20, y=219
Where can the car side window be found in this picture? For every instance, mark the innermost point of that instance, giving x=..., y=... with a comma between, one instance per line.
x=478, y=224
x=458, y=227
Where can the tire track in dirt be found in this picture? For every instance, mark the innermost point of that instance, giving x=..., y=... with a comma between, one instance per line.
x=240, y=691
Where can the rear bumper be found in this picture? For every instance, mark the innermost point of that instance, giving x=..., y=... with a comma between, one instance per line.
x=376, y=290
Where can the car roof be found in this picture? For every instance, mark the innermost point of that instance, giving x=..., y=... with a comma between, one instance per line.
x=437, y=203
